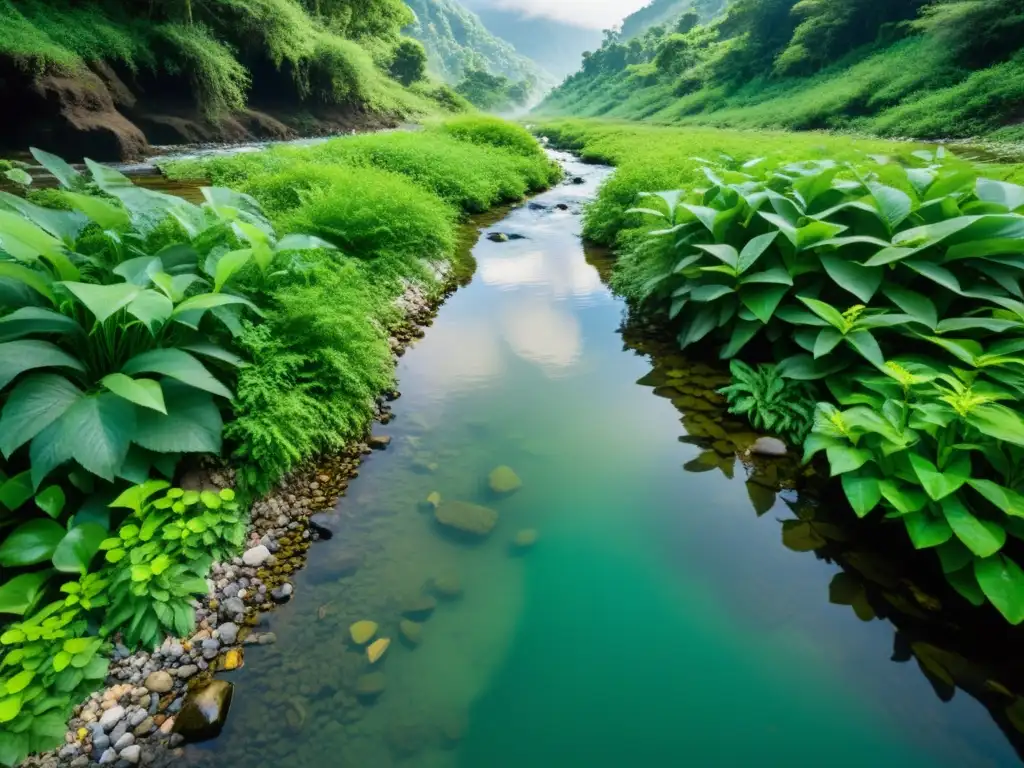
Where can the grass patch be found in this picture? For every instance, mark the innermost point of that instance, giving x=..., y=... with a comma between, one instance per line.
x=391, y=203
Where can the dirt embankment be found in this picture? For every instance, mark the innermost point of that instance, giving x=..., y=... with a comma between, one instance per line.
x=109, y=115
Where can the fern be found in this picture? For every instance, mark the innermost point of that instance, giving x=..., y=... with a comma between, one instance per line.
x=770, y=402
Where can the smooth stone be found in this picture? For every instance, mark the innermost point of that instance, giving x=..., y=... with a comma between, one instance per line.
x=525, y=539
x=132, y=754
x=204, y=712
x=111, y=716
x=420, y=607
x=379, y=442
x=466, y=518
x=411, y=632
x=138, y=716
x=377, y=649
x=159, y=682
x=497, y=237
x=267, y=638
x=126, y=740
x=108, y=757
x=362, y=632
x=233, y=606
x=228, y=635
x=371, y=685
x=256, y=556
x=577, y=180
x=145, y=727
x=769, y=446
x=503, y=480
x=447, y=585
x=186, y=671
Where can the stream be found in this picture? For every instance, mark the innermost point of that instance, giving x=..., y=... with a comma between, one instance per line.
x=657, y=621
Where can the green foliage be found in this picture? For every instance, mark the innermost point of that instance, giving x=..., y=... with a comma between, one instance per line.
x=161, y=555
x=493, y=93
x=481, y=129
x=50, y=663
x=770, y=402
x=219, y=80
x=410, y=62
x=816, y=64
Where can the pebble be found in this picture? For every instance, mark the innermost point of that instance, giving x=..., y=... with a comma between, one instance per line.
x=233, y=606
x=145, y=727
x=282, y=593
x=132, y=754
x=186, y=671
x=228, y=632
x=80, y=762
x=111, y=716
x=119, y=730
x=125, y=741
x=138, y=716
x=159, y=682
x=256, y=556
x=769, y=446
x=108, y=757
x=267, y=638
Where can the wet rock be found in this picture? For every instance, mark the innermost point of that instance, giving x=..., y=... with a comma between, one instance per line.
x=379, y=442
x=340, y=566
x=111, y=717
x=159, y=682
x=446, y=585
x=411, y=632
x=362, y=632
x=465, y=518
x=504, y=481
x=536, y=206
x=228, y=635
x=283, y=593
x=577, y=180
x=369, y=687
x=562, y=207
x=204, y=711
x=256, y=556
x=233, y=606
x=267, y=638
x=497, y=237
x=377, y=649
x=419, y=608
x=132, y=754
x=434, y=499
x=525, y=539
x=186, y=671
x=769, y=446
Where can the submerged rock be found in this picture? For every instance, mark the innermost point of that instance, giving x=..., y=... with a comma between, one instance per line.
x=448, y=585
x=503, y=480
x=434, y=499
x=371, y=686
x=769, y=446
x=362, y=632
x=377, y=649
x=204, y=712
x=497, y=237
x=466, y=518
x=525, y=539
x=412, y=633
x=379, y=442
x=419, y=608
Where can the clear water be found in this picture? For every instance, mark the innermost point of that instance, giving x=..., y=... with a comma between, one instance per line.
x=658, y=621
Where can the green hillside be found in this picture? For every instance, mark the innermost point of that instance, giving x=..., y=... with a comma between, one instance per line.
x=945, y=68
x=457, y=42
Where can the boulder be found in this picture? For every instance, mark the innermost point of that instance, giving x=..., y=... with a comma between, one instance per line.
x=362, y=632
x=379, y=442
x=204, y=712
x=412, y=633
x=504, y=481
x=419, y=608
x=465, y=518
x=769, y=446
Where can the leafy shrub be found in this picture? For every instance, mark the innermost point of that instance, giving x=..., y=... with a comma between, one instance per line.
x=161, y=555
x=770, y=402
x=480, y=129
x=410, y=62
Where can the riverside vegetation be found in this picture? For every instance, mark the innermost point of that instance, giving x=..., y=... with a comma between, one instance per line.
x=140, y=331
x=885, y=277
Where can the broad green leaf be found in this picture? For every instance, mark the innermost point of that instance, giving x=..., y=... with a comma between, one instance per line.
x=708, y=293
x=1008, y=501
x=867, y=347
x=982, y=537
x=724, y=253
x=953, y=556
x=77, y=549
x=903, y=498
x=931, y=234
x=35, y=280
x=18, y=176
x=64, y=225
x=16, y=357
x=20, y=593
x=939, y=484
x=31, y=320
x=26, y=241
x=15, y=491
x=806, y=368
x=936, y=274
x=799, y=316
x=144, y=392
x=889, y=255
x=926, y=530
x=893, y=205
x=810, y=235
x=826, y=312
x=103, y=212
x=703, y=214
x=826, y=341
x=700, y=326
x=1000, y=192
x=139, y=271
x=192, y=424
x=103, y=300
x=774, y=275
x=980, y=248
x=297, y=242
x=743, y=331
x=134, y=497
x=965, y=582
x=68, y=177
x=152, y=308
x=10, y=706
x=862, y=282
x=753, y=250
x=206, y=301
x=862, y=492
x=51, y=500
x=212, y=351
x=998, y=421
x=1002, y=581
x=915, y=304
x=957, y=324
x=176, y=364
x=35, y=403
x=30, y=543
x=228, y=264
x=763, y=300
x=846, y=458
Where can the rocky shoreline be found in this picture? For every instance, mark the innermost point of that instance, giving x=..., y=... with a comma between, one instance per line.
x=156, y=701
